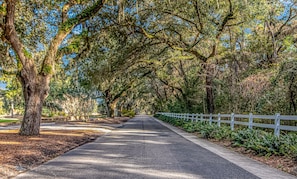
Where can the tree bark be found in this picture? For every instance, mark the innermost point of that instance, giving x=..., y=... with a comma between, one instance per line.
x=12, y=109
x=36, y=84
x=109, y=110
x=35, y=90
x=209, y=93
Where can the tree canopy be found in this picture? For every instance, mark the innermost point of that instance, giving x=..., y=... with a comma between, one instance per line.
x=147, y=55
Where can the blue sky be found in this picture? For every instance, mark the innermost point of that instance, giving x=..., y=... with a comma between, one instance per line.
x=2, y=85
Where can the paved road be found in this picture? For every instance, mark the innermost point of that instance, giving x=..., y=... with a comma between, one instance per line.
x=143, y=148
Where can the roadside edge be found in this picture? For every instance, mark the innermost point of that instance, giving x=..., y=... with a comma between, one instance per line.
x=259, y=169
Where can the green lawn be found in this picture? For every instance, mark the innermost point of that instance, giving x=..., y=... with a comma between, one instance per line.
x=8, y=120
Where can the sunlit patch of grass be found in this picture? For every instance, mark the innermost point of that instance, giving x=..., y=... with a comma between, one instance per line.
x=8, y=120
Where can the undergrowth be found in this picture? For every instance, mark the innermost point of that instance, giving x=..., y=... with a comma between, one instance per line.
x=258, y=141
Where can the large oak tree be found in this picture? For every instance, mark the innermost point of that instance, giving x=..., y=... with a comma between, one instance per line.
x=35, y=74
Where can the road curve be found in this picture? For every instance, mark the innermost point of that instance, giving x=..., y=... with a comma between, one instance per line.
x=143, y=148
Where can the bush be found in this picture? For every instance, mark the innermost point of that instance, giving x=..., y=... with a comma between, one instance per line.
x=288, y=145
x=265, y=143
x=207, y=131
x=189, y=127
x=222, y=133
x=258, y=141
x=128, y=113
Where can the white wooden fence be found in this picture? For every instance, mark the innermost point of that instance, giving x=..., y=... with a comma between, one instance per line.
x=239, y=119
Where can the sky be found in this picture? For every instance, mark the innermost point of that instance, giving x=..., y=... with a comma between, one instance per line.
x=2, y=85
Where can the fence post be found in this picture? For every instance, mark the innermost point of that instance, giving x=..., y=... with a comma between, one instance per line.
x=219, y=120
x=210, y=118
x=201, y=117
x=276, y=124
x=196, y=117
x=251, y=121
x=232, y=121
x=192, y=118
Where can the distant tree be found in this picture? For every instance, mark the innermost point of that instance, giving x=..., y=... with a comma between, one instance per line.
x=197, y=29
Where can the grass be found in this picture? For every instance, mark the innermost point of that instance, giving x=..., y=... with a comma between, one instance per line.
x=8, y=120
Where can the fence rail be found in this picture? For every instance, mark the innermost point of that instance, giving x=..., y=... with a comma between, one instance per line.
x=236, y=119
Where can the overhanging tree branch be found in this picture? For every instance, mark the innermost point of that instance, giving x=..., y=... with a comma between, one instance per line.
x=11, y=35
x=64, y=29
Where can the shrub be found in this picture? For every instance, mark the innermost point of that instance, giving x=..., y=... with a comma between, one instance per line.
x=222, y=133
x=189, y=127
x=288, y=145
x=239, y=138
x=128, y=113
x=265, y=143
x=207, y=131
x=258, y=141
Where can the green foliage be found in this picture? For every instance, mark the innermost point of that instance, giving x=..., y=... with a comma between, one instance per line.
x=128, y=113
x=248, y=55
x=9, y=120
x=215, y=132
x=84, y=15
x=27, y=54
x=288, y=145
x=264, y=143
x=288, y=41
x=11, y=95
x=47, y=69
x=2, y=109
x=189, y=127
x=208, y=131
x=68, y=25
x=157, y=54
x=258, y=141
x=2, y=9
x=47, y=112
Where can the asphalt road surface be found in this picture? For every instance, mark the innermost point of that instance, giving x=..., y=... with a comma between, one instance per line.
x=142, y=148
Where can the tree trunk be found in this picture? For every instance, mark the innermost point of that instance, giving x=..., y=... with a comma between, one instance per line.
x=36, y=84
x=109, y=110
x=12, y=109
x=209, y=94
x=35, y=90
x=116, y=112
x=108, y=113
x=186, y=102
